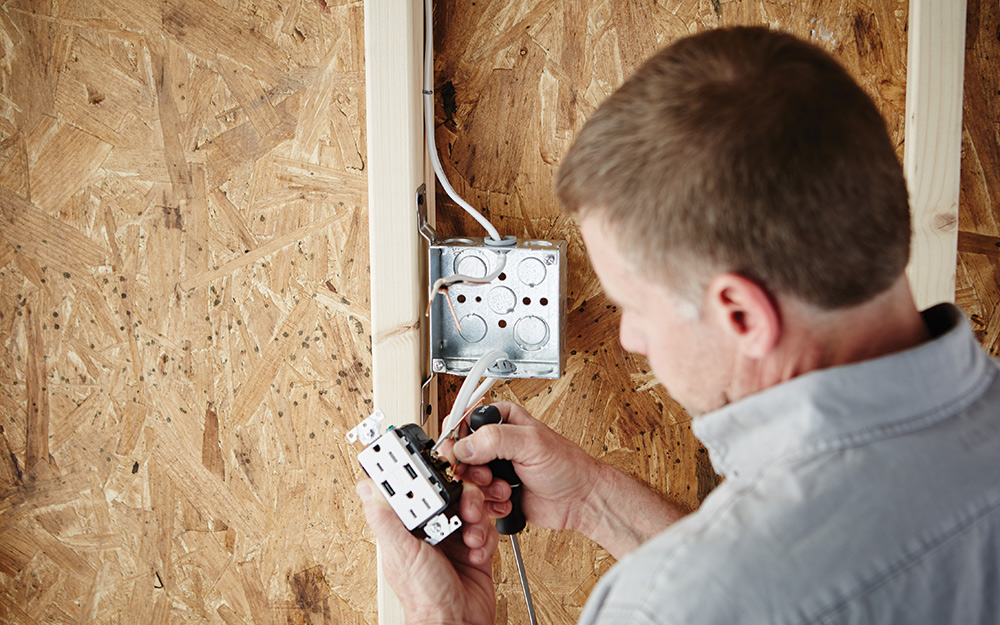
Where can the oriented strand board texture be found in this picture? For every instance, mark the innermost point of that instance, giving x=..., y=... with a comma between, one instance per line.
x=183, y=312
x=171, y=179
x=516, y=79
x=978, y=280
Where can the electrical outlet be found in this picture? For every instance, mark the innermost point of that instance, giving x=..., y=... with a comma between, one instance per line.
x=368, y=430
x=413, y=481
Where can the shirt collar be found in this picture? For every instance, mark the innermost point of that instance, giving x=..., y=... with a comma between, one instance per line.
x=812, y=410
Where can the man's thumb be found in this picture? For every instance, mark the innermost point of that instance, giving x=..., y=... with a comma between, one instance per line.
x=481, y=446
x=380, y=516
x=464, y=451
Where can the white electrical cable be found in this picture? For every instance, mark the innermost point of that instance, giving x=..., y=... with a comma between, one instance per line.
x=468, y=390
x=429, y=123
x=466, y=395
x=459, y=277
x=481, y=391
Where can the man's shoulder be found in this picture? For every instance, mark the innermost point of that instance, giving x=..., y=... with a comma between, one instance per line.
x=714, y=568
x=827, y=531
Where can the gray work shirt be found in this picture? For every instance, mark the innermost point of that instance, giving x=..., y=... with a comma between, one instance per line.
x=867, y=493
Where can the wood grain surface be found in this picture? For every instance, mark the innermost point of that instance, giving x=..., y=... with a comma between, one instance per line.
x=978, y=281
x=184, y=312
x=184, y=284
x=515, y=81
x=932, y=158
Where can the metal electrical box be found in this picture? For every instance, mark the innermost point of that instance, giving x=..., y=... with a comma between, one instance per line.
x=522, y=311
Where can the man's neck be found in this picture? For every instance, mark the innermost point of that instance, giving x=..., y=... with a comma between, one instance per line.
x=815, y=339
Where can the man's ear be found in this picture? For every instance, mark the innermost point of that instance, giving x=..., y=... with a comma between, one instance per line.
x=746, y=311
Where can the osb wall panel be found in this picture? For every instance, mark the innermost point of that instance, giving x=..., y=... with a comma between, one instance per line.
x=514, y=82
x=183, y=312
x=978, y=280
x=183, y=284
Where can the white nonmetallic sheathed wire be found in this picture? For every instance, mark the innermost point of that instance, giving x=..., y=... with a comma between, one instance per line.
x=461, y=277
x=429, y=123
x=516, y=546
x=471, y=382
x=481, y=390
x=470, y=387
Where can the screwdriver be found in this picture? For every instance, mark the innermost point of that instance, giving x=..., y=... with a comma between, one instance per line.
x=503, y=469
x=514, y=522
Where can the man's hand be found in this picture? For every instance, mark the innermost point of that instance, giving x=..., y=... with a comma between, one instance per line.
x=564, y=487
x=450, y=583
x=558, y=475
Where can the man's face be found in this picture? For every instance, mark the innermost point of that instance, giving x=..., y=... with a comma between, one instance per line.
x=689, y=356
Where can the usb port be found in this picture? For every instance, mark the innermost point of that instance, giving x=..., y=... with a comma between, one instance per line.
x=388, y=488
x=409, y=469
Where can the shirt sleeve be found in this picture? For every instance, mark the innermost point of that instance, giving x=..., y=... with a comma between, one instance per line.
x=609, y=605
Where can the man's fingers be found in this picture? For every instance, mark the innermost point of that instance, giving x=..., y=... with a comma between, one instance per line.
x=470, y=507
x=474, y=536
x=497, y=491
x=498, y=509
x=481, y=476
x=518, y=436
x=496, y=441
x=483, y=556
x=514, y=414
x=478, y=545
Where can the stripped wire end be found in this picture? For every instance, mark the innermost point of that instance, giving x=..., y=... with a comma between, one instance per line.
x=451, y=307
x=441, y=285
x=469, y=395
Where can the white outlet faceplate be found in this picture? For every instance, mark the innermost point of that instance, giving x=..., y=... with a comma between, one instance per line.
x=404, y=479
x=368, y=430
x=438, y=528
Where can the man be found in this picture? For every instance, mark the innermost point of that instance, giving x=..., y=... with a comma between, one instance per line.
x=741, y=201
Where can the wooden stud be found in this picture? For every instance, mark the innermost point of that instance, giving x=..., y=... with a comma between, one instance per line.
x=932, y=145
x=396, y=169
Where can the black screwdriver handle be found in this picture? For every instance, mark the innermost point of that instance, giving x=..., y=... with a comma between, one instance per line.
x=503, y=469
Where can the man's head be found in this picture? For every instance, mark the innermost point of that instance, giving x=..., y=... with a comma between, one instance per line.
x=741, y=168
x=749, y=151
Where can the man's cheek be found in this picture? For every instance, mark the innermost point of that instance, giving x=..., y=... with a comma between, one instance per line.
x=632, y=338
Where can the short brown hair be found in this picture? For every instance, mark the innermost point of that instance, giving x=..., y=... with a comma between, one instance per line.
x=751, y=151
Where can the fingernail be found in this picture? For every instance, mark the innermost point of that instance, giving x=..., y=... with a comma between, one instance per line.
x=476, y=535
x=363, y=491
x=463, y=450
